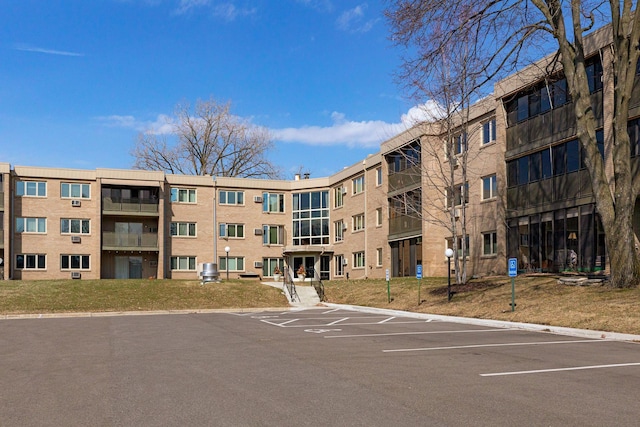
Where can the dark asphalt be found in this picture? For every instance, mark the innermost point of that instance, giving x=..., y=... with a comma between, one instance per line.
x=318, y=367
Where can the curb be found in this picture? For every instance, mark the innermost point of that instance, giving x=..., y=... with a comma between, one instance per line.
x=136, y=313
x=560, y=330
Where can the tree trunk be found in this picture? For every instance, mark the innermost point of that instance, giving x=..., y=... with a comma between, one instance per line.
x=625, y=265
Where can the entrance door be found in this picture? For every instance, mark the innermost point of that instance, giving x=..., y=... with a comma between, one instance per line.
x=122, y=267
x=128, y=267
x=307, y=261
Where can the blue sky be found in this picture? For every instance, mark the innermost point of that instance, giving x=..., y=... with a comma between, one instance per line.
x=80, y=79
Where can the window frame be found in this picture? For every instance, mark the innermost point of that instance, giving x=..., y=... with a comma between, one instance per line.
x=70, y=227
x=176, y=265
x=359, y=260
x=67, y=263
x=338, y=197
x=493, y=243
x=238, y=197
x=489, y=132
x=24, y=264
x=23, y=223
x=266, y=234
x=177, y=192
x=338, y=228
x=267, y=205
x=357, y=185
x=223, y=263
x=176, y=226
x=235, y=226
x=493, y=187
x=358, y=222
x=69, y=191
x=23, y=188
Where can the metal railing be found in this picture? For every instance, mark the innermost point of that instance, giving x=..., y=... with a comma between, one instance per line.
x=289, y=285
x=316, y=282
x=122, y=240
x=130, y=205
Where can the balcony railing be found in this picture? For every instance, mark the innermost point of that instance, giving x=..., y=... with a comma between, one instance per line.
x=113, y=240
x=130, y=205
x=404, y=225
x=406, y=178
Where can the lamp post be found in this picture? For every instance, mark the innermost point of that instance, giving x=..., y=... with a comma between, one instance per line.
x=448, y=253
x=227, y=249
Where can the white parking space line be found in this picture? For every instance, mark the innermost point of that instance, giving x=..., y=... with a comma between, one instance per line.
x=337, y=321
x=513, y=344
x=331, y=311
x=386, y=320
x=390, y=334
x=575, y=368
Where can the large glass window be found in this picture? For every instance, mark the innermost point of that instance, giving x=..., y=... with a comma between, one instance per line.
x=183, y=195
x=338, y=231
x=272, y=234
x=490, y=243
x=31, y=225
x=184, y=263
x=75, y=191
x=231, y=197
x=31, y=188
x=272, y=202
x=311, y=218
x=232, y=231
x=270, y=264
x=358, y=185
x=358, y=222
x=31, y=262
x=183, y=229
x=75, y=226
x=74, y=262
x=358, y=259
x=489, y=131
x=338, y=196
x=235, y=263
x=339, y=263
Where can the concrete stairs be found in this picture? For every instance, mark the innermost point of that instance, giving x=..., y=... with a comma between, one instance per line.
x=307, y=295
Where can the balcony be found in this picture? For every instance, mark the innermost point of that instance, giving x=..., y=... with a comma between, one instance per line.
x=121, y=241
x=404, y=226
x=1, y=200
x=136, y=207
x=405, y=179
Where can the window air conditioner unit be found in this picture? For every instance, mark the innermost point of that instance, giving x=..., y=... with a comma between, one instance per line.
x=257, y=231
x=344, y=190
x=76, y=203
x=76, y=239
x=344, y=227
x=75, y=275
x=257, y=264
x=257, y=199
x=457, y=212
x=344, y=261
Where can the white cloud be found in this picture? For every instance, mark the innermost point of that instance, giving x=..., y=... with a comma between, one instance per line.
x=319, y=5
x=354, y=21
x=365, y=134
x=28, y=48
x=162, y=125
x=229, y=12
x=186, y=6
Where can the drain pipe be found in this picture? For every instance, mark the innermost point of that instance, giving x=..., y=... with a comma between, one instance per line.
x=215, y=222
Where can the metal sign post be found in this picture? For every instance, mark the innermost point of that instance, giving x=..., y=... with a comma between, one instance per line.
x=513, y=272
x=419, y=277
x=388, y=286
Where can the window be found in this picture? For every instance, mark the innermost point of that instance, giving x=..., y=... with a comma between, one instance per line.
x=183, y=195
x=272, y=234
x=31, y=225
x=379, y=217
x=466, y=245
x=235, y=263
x=489, y=187
x=490, y=243
x=460, y=194
x=489, y=132
x=358, y=259
x=311, y=218
x=31, y=262
x=76, y=191
x=339, y=260
x=358, y=184
x=338, y=197
x=407, y=157
x=338, y=228
x=460, y=143
x=231, y=197
x=232, y=231
x=74, y=262
x=358, y=222
x=272, y=202
x=378, y=176
x=183, y=263
x=31, y=188
x=270, y=264
x=183, y=229
x=75, y=226
x=379, y=257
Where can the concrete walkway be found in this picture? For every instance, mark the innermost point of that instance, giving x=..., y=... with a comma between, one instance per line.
x=307, y=295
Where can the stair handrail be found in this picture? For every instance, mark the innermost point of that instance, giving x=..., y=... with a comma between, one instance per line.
x=289, y=285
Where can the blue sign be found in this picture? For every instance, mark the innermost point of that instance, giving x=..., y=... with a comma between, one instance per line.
x=513, y=267
x=419, y=271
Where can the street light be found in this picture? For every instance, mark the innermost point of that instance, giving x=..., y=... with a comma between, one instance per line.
x=448, y=253
x=227, y=249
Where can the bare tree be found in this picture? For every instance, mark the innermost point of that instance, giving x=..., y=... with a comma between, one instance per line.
x=208, y=141
x=504, y=31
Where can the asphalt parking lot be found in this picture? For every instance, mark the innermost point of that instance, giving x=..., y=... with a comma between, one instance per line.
x=320, y=366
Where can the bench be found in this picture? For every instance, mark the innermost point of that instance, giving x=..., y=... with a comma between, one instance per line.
x=249, y=276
